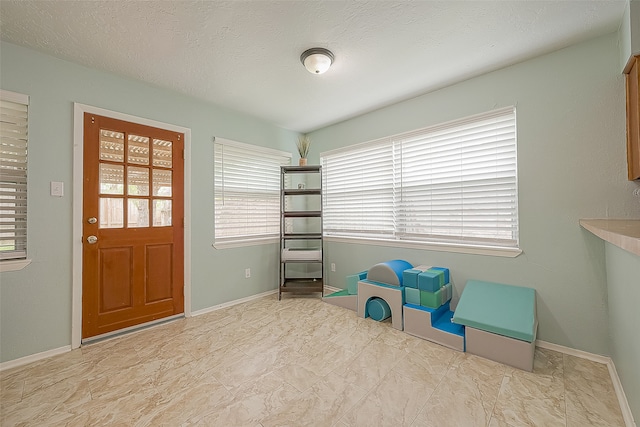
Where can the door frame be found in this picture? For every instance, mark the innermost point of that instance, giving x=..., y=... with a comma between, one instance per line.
x=78, y=178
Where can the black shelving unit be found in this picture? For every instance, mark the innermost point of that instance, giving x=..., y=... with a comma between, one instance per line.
x=301, y=247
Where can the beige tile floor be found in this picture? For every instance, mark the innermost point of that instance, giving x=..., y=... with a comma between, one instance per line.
x=298, y=362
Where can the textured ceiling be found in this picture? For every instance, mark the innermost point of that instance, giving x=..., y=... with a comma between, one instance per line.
x=244, y=55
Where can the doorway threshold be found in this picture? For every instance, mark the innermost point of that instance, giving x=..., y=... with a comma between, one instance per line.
x=131, y=329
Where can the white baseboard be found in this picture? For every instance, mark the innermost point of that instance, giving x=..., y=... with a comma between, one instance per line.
x=33, y=358
x=627, y=415
x=231, y=303
x=573, y=352
x=615, y=379
x=332, y=289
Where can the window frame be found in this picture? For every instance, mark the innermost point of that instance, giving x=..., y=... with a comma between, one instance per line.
x=20, y=259
x=402, y=158
x=255, y=152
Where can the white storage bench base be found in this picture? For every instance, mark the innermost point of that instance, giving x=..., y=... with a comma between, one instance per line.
x=510, y=351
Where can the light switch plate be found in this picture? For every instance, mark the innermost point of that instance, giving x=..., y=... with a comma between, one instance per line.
x=57, y=188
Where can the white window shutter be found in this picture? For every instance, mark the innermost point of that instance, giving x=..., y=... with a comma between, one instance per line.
x=359, y=191
x=247, y=191
x=455, y=183
x=459, y=182
x=13, y=175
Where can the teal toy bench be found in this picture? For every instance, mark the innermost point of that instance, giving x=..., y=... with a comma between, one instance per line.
x=500, y=322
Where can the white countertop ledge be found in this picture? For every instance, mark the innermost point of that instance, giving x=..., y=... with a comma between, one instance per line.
x=624, y=233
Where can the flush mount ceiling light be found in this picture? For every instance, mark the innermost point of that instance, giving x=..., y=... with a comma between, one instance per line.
x=316, y=60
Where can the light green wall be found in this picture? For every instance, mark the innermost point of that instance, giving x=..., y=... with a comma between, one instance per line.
x=35, y=303
x=571, y=165
x=629, y=33
x=571, y=142
x=623, y=280
x=624, y=37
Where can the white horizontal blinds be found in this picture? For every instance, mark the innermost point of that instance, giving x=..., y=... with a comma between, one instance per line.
x=247, y=191
x=360, y=190
x=455, y=183
x=459, y=182
x=13, y=175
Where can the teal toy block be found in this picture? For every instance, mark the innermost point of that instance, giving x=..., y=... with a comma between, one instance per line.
x=378, y=309
x=352, y=282
x=410, y=278
x=435, y=299
x=500, y=322
x=445, y=271
x=431, y=280
x=412, y=296
x=498, y=308
x=431, y=299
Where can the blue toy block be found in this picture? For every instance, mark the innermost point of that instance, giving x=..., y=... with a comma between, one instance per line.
x=389, y=272
x=431, y=280
x=434, y=325
x=412, y=296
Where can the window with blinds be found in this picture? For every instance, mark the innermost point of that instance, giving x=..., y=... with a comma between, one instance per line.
x=247, y=192
x=451, y=184
x=13, y=175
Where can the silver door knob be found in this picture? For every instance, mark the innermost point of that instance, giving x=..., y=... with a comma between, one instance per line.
x=92, y=220
x=92, y=239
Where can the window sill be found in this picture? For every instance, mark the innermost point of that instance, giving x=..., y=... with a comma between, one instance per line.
x=243, y=243
x=13, y=264
x=440, y=247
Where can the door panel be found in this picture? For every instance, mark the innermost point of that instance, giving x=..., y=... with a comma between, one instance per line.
x=159, y=266
x=133, y=187
x=116, y=290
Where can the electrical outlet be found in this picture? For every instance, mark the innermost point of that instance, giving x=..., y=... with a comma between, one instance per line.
x=333, y=267
x=247, y=273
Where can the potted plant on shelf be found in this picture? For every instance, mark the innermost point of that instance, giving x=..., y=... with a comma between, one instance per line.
x=303, y=144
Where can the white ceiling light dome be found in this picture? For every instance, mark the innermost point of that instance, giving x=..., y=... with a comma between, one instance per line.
x=317, y=60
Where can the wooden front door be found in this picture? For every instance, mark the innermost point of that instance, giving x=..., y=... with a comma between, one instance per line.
x=133, y=225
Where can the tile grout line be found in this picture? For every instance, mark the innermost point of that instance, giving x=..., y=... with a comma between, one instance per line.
x=453, y=358
x=491, y=415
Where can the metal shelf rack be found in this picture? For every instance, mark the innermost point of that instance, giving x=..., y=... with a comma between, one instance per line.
x=301, y=244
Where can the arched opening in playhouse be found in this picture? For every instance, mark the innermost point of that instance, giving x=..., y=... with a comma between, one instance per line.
x=381, y=293
x=378, y=309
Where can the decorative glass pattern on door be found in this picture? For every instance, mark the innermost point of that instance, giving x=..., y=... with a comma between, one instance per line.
x=136, y=186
